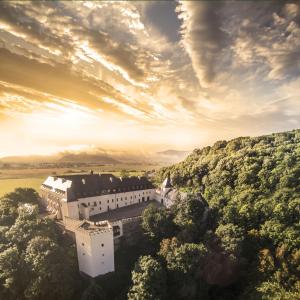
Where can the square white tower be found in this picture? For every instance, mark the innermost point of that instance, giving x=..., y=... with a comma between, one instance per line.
x=95, y=248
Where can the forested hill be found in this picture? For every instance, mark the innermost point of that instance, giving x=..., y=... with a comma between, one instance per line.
x=252, y=186
x=243, y=172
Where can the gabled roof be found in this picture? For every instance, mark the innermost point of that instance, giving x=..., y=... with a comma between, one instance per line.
x=88, y=185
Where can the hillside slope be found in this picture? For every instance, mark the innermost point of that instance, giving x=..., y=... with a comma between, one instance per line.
x=242, y=168
x=252, y=186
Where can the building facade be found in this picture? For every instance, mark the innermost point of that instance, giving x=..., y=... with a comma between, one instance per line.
x=99, y=209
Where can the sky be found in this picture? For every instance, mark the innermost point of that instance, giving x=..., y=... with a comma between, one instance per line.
x=145, y=75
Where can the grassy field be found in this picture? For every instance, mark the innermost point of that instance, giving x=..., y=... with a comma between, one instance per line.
x=8, y=185
x=33, y=178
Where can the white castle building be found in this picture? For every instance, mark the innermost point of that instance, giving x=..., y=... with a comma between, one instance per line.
x=99, y=209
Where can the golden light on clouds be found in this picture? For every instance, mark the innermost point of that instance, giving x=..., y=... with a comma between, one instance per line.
x=76, y=75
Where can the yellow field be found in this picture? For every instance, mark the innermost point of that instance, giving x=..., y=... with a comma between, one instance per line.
x=8, y=185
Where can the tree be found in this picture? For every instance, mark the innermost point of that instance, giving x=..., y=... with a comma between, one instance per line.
x=8, y=211
x=24, y=195
x=13, y=274
x=32, y=264
x=149, y=280
x=191, y=214
x=124, y=173
x=50, y=267
x=158, y=223
x=185, y=258
x=185, y=264
x=231, y=238
x=25, y=227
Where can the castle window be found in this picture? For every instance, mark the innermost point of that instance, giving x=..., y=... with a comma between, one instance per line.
x=125, y=198
x=108, y=201
x=103, y=254
x=102, y=245
x=82, y=244
x=95, y=203
x=83, y=253
x=112, y=200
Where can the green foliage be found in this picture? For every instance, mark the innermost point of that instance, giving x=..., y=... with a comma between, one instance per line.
x=158, y=223
x=50, y=268
x=185, y=258
x=149, y=280
x=231, y=237
x=184, y=265
x=10, y=202
x=13, y=273
x=33, y=265
x=191, y=217
x=252, y=186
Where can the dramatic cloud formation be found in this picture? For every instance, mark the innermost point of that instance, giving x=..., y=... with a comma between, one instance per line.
x=203, y=37
x=145, y=74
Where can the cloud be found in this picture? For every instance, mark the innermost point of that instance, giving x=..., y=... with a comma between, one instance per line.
x=206, y=69
x=202, y=37
x=270, y=39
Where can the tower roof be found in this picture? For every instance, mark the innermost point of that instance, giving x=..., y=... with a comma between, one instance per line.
x=167, y=183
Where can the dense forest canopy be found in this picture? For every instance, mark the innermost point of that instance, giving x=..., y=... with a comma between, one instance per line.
x=252, y=187
x=36, y=260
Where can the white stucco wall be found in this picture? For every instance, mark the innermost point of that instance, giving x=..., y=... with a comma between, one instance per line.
x=73, y=210
x=103, y=203
x=95, y=252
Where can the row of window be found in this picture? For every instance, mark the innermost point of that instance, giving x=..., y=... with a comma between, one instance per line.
x=104, y=192
x=117, y=206
x=112, y=200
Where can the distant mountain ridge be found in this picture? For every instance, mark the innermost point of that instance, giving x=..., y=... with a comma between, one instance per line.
x=88, y=158
x=173, y=152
